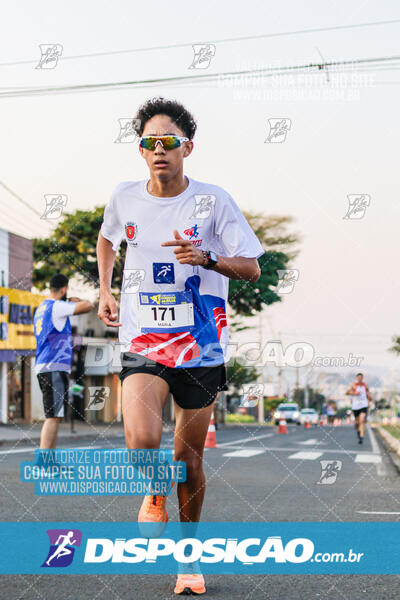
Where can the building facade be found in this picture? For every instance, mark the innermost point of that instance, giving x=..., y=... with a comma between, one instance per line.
x=17, y=341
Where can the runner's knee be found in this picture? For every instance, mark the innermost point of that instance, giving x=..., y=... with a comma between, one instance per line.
x=144, y=439
x=193, y=463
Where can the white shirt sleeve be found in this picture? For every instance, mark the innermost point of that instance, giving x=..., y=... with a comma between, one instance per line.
x=61, y=311
x=233, y=231
x=111, y=227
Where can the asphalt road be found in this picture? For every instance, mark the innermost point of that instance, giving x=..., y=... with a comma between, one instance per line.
x=253, y=475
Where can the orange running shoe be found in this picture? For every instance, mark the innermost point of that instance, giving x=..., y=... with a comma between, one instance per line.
x=153, y=512
x=190, y=584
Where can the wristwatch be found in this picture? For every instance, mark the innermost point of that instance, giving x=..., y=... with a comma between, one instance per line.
x=210, y=259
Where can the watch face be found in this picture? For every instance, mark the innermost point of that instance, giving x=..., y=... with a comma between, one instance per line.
x=213, y=256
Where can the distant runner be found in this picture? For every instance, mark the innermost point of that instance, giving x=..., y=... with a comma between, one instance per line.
x=361, y=398
x=331, y=412
x=54, y=353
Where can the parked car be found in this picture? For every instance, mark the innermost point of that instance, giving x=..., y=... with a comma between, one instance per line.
x=289, y=410
x=308, y=413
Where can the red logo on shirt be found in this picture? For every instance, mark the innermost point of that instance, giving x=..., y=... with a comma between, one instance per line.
x=130, y=230
x=193, y=234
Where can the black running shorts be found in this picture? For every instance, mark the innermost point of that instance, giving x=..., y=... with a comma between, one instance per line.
x=193, y=387
x=358, y=411
x=54, y=386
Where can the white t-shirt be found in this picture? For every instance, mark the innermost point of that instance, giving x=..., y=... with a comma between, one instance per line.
x=360, y=401
x=175, y=313
x=62, y=309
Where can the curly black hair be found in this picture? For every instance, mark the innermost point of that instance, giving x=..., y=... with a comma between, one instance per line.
x=173, y=109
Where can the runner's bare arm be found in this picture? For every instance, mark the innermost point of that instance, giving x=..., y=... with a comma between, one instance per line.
x=108, y=311
x=351, y=391
x=236, y=267
x=368, y=394
x=81, y=306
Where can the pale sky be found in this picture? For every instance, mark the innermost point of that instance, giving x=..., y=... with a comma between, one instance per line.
x=342, y=140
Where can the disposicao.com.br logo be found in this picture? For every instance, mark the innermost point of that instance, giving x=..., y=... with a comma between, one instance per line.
x=217, y=547
x=213, y=550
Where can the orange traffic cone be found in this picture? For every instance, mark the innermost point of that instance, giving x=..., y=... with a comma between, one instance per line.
x=321, y=421
x=211, y=439
x=282, y=425
x=307, y=424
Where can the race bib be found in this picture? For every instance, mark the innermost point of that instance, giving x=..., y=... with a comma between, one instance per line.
x=168, y=312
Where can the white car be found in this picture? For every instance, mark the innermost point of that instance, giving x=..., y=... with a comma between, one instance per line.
x=289, y=410
x=308, y=414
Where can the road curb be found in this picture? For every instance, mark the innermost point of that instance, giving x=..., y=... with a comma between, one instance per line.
x=391, y=444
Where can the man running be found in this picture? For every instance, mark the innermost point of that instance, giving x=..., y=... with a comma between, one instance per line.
x=185, y=239
x=361, y=398
x=54, y=353
x=331, y=412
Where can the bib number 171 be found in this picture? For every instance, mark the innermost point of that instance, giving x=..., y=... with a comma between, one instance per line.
x=162, y=312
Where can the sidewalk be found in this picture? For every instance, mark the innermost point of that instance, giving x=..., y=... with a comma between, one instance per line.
x=18, y=433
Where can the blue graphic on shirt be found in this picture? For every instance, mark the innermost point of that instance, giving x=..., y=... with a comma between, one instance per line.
x=53, y=347
x=197, y=347
x=163, y=272
x=192, y=232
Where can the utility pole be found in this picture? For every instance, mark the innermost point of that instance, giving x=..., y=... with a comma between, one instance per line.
x=279, y=373
x=306, y=395
x=261, y=417
x=307, y=390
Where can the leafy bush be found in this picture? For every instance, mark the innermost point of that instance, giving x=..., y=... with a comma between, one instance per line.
x=238, y=418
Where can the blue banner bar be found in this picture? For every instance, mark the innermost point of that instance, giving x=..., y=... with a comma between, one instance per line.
x=219, y=548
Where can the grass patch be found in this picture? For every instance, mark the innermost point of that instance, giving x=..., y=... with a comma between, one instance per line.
x=394, y=430
x=238, y=418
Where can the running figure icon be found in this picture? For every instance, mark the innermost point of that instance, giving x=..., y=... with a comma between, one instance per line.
x=164, y=270
x=62, y=549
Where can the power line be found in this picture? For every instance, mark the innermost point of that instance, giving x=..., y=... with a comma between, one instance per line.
x=24, y=202
x=216, y=41
x=37, y=213
x=264, y=72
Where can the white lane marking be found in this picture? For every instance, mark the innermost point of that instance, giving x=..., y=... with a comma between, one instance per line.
x=380, y=467
x=306, y=455
x=311, y=442
x=233, y=446
x=244, y=453
x=22, y=450
x=377, y=512
x=18, y=450
x=244, y=440
x=374, y=443
x=368, y=458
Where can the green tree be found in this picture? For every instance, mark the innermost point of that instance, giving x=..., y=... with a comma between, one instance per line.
x=71, y=250
x=271, y=404
x=237, y=375
x=247, y=298
x=396, y=345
